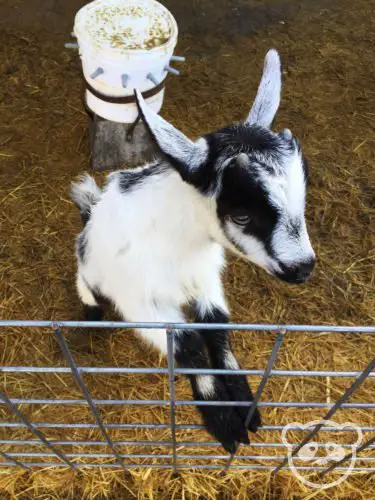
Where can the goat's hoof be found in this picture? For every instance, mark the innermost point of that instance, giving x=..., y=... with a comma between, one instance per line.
x=231, y=435
x=232, y=445
x=239, y=390
x=255, y=422
x=225, y=423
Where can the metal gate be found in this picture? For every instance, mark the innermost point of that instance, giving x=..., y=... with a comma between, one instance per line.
x=54, y=449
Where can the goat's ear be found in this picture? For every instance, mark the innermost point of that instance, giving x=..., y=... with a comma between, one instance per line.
x=267, y=99
x=185, y=155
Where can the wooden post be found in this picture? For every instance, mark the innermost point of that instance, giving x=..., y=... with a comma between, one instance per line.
x=114, y=145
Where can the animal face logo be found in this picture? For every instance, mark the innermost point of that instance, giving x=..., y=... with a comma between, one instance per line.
x=308, y=455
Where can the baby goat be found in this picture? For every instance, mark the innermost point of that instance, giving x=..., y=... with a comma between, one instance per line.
x=154, y=238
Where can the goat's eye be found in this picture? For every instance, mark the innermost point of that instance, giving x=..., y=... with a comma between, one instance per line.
x=241, y=220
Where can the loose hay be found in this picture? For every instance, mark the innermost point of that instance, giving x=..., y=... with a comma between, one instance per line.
x=327, y=101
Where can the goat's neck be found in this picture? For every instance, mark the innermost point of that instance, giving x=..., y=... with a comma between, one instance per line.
x=193, y=211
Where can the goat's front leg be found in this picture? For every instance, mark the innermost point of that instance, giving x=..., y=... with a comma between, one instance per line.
x=223, y=422
x=213, y=309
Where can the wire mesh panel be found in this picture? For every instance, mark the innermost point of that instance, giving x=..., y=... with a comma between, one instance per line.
x=40, y=451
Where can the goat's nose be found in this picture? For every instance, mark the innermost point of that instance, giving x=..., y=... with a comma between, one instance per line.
x=305, y=268
x=297, y=273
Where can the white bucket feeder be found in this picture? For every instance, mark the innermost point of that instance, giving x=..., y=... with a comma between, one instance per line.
x=125, y=44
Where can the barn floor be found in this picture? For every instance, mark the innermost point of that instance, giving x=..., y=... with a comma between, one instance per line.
x=328, y=101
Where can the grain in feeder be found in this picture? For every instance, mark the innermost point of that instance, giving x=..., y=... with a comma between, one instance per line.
x=123, y=45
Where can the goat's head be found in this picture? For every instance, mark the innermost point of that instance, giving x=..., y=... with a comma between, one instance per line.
x=257, y=177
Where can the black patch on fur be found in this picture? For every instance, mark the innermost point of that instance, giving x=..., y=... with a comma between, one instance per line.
x=100, y=299
x=189, y=350
x=217, y=341
x=247, y=139
x=219, y=345
x=305, y=165
x=230, y=142
x=294, y=229
x=92, y=313
x=95, y=313
x=81, y=246
x=84, y=212
x=227, y=142
x=243, y=194
x=85, y=216
x=130, y=180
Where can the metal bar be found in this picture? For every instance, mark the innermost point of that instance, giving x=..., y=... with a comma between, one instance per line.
x=178, y=58
x=178, y=371
x=81, y=384
x=171, y=70
x=8, y=456
x=124, y=80
x=31, y=442
x=81, y=425
x=71, y=45
x=107, y=426
x=181, y=466
x=157, y=402
x=365, y=445
x=13, y=408
x=170, y=347
x=91, y=455
x=266, y=375
x=63, y=369
x=97, y=72
x=339, y=404
x=189, y=326
x=283, y=404
x=325, y=428
x=84, y=402
x=258, y=394
x=274, y=373
x=152, y=79
x=164, y=456
x=168, y=444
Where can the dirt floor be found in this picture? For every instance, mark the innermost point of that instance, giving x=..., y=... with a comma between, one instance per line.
x=327, y=50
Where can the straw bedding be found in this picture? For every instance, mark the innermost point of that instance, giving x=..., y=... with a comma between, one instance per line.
x=327, y=52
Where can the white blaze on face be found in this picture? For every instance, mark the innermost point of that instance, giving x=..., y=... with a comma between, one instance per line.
x=292, y=248
x=290, y=240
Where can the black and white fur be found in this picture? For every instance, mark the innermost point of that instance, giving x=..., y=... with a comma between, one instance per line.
x=154, y=238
